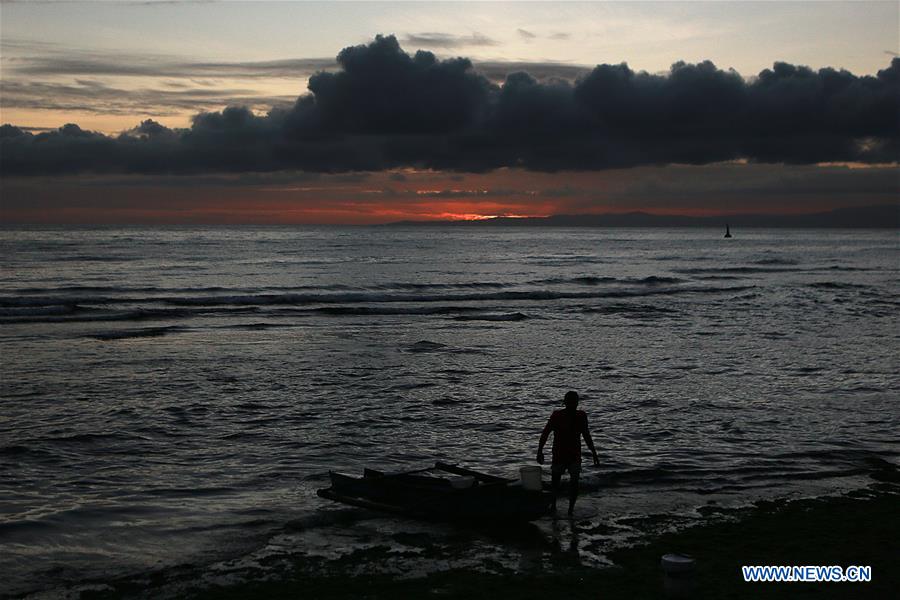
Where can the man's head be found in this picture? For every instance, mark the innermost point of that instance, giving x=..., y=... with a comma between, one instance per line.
x=571, y=400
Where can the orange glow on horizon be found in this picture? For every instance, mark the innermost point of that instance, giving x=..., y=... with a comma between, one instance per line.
x=403, y=195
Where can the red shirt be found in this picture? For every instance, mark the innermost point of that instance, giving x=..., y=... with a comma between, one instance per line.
x=567, y=429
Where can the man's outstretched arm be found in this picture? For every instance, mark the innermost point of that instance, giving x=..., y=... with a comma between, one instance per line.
x=590, y=443
x=544, y=435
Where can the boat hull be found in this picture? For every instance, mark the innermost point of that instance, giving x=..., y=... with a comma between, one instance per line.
x=489, y=499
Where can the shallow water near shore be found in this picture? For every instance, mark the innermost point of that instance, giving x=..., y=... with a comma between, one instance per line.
x=173, y=397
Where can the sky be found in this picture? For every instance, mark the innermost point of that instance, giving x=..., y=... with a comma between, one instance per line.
x=219, y=112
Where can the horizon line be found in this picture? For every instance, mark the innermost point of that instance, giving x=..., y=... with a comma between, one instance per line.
x=715, y=220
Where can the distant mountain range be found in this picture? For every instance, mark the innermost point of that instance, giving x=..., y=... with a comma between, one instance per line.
x=868, y=217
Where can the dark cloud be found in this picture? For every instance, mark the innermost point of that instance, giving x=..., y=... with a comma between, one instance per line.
x=387, y=109
x=448, y=40
x=525, y=34
x=383, y=90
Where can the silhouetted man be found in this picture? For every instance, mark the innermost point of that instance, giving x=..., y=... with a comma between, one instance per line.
x=568, y=425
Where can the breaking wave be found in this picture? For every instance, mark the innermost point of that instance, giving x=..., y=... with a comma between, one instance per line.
x=353, y=303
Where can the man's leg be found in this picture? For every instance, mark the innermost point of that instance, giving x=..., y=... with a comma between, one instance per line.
x=574, y=476
x=556, y=476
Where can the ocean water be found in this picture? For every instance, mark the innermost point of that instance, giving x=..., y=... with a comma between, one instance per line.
x=173, y=397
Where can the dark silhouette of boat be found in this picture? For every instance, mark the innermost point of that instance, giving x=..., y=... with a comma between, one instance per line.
x=432, y=494
x=727, y=231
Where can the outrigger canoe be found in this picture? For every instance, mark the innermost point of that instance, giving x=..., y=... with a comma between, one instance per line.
x=444, y=492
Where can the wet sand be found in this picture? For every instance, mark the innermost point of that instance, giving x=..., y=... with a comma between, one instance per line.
x=859, y=528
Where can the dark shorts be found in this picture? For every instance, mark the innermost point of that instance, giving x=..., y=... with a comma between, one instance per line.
x=574, y=468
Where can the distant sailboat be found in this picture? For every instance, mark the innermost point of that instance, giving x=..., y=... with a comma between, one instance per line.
x=727, y=231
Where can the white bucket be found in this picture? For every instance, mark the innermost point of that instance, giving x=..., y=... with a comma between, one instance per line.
x=677, y=563
x=531, y=478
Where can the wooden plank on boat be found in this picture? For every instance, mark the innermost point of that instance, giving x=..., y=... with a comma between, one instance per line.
x=463, y=471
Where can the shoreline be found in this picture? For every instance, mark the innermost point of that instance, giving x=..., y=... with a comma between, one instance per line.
x=857, y=528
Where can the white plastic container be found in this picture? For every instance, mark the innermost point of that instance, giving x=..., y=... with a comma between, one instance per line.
x=531, y=478
x=677, y=563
